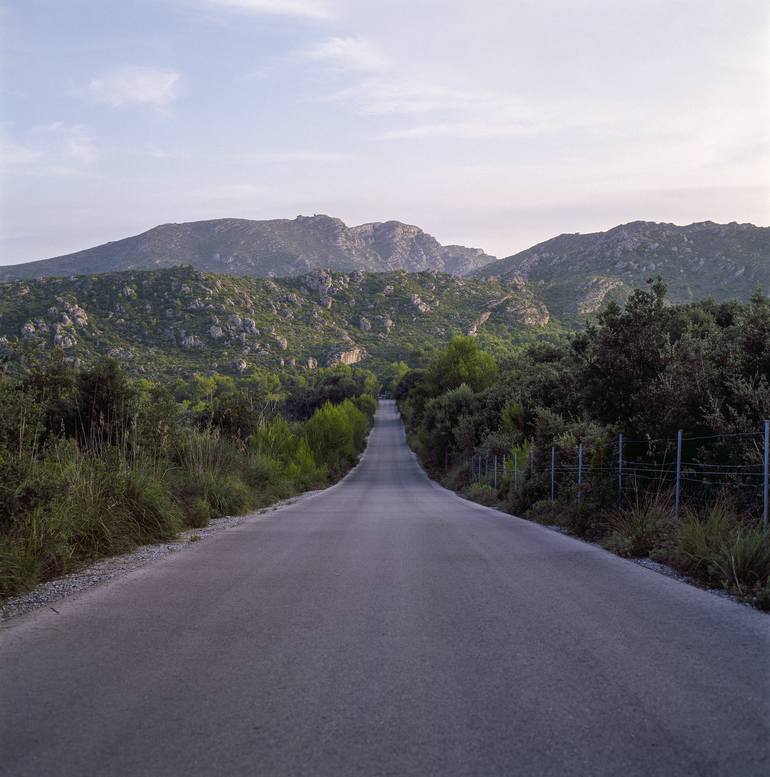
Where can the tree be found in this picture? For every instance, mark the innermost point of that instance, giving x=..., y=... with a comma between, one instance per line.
x=462, y=362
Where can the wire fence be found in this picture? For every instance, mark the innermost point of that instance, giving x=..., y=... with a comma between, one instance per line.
x=696, y=469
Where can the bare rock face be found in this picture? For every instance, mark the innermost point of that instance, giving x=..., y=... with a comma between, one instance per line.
x=7, y=351
x=364, y=324
x=527, y=311
x=422, y=307
x=480, y=321
x=76, y=313
x=594, y=293
x=312, y=363
x=216, y=331
x=64, y=340
x=122, y=354
x=190, y=342
x=240, y=366
x=345, y=356
x=318, y=282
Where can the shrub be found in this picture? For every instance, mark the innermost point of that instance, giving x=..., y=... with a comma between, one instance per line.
x=641, y=528
x=483, y=494
x=744, y=562
x=227, y=494
x=458, y=477
x=150, y=510
x=275, y=439
x=332, y=433
x=699, y=540
x=303, y=469
x=366, y=403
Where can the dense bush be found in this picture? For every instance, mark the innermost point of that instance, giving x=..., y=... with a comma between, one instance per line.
x=93, y=464
x=648, y=370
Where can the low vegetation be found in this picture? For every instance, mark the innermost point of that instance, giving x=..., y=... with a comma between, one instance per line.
x=647, y=370
x=92, y=463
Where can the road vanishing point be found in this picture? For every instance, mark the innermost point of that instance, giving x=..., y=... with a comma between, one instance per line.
x=382, y=627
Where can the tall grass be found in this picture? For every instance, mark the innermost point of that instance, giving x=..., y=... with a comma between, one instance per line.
x=99, y=493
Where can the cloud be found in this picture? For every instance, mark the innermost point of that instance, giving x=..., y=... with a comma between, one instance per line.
x=12, y=153
x=461, y=130
x=393, y=96
x=293, y=156
x=314, y=9
x=136, y=85
x=349, y=53
x=80, y=146
x=56, y=149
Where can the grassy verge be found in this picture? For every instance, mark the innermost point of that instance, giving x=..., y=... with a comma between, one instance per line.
x=71, y=501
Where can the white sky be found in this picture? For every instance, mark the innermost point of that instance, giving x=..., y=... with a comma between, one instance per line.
x=494, y=123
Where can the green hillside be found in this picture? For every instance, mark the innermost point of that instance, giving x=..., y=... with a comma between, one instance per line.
x=173, y=321
x=576, y=274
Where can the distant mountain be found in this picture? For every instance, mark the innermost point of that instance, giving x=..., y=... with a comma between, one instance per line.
x=281, y=247
x=575, y=274
x=181, y=320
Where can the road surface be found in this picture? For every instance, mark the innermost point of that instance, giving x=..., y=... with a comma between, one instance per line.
x=387, y=627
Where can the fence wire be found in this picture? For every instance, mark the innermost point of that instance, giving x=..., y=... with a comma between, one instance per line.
x=721, y=467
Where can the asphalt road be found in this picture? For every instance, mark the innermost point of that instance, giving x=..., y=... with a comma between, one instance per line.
x=387, y=627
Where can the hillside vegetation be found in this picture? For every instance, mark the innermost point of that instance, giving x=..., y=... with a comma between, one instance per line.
x=182, y=320
x=647, y=370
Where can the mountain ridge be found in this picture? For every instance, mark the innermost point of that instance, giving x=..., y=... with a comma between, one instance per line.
x=268, y=248
x=576, y=273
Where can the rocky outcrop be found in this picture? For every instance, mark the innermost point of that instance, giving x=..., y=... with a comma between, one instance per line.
x=480, y=321
x=345, y=356
x=190, y=342
x=419, y=305
x=594, y=293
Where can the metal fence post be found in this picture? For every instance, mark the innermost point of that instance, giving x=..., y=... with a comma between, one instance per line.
x=495, y=471
x=620, y=469
x=553, y=465
x=580, y=471
x=515, y=470
x=766, y=480
x=678, y=471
